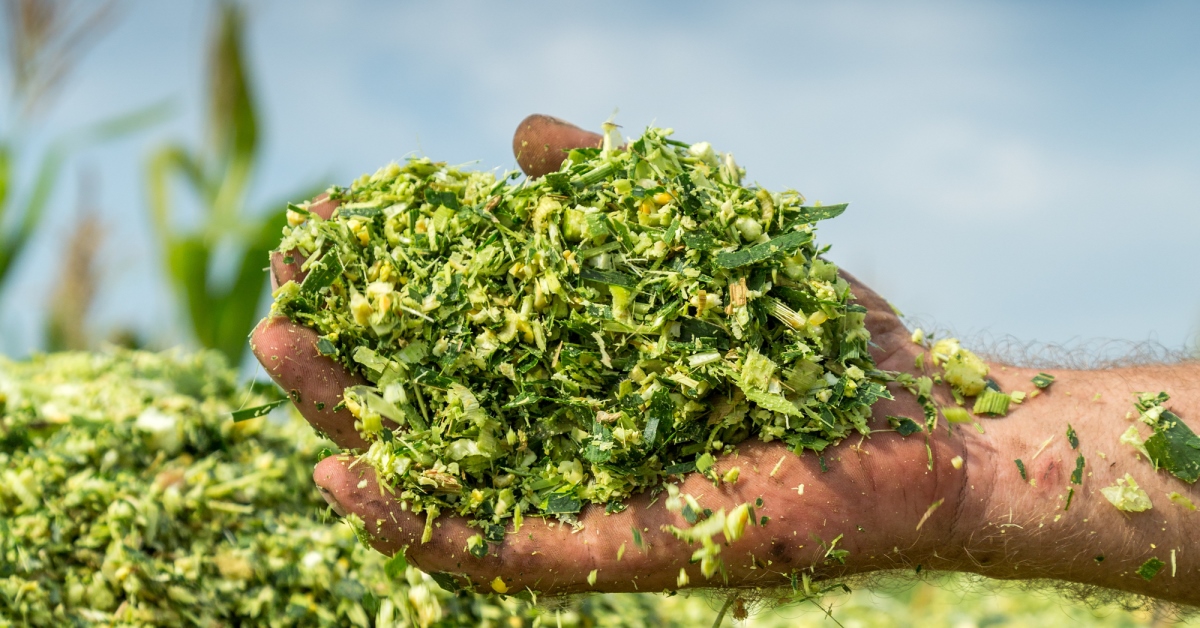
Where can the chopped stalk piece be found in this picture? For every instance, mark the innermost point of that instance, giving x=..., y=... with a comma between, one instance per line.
x=992, y=402
x=929, y=512
x=775, y=469
x=956, y=415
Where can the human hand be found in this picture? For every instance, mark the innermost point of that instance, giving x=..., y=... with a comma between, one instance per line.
x=876, y=496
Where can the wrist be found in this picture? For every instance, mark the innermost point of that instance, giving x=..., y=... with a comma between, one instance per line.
x=899, y=502
x=1046, y=523
x=1018, y=501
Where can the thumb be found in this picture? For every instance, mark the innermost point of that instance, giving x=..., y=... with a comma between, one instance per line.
x=541, y=143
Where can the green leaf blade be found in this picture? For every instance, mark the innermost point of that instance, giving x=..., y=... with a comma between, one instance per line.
x=1175, y=447
x=246, y=414
x=760, y=252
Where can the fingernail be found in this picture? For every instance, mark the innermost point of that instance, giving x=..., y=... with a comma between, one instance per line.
x=333, y=503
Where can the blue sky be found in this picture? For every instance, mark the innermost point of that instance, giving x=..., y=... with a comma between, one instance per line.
x=1013, y=168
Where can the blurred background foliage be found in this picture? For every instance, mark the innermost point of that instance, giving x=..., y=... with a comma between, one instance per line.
x=46, y=39
x=214, y=262
x=214, y=252
x=221, y=309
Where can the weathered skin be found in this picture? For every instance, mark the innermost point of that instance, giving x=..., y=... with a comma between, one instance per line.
x=874, y=494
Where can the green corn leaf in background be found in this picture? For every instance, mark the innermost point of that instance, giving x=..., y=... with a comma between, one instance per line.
x=46, y=39
x=220, y=310
x=31, y=211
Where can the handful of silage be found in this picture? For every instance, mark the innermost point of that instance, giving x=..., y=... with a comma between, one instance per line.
x=580, y=337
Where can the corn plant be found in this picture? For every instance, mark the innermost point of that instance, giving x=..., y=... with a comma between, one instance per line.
x=45, y=40
x=22, y=210
x=221, y=310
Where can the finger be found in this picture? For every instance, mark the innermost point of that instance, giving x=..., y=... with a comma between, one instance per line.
x=888, y=333
x=547, y=557
x=352, y=487
x=313, y=381
x=541, y=143
x=556, y=558
x=285, y=267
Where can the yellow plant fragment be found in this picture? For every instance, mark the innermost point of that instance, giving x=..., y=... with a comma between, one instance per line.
x=964, y=370
x=1180, y=500
x=731, y=476
x=777, y=465
x=1127, y=496
x=735, y=522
